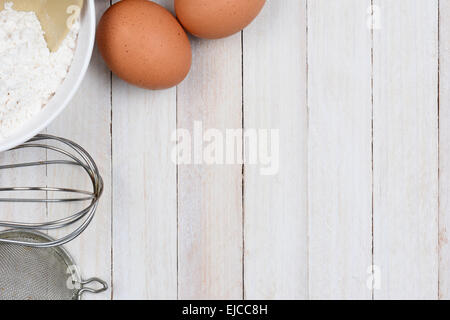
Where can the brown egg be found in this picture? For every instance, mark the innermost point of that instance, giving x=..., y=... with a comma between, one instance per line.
x=213, y=19
x=143, y=43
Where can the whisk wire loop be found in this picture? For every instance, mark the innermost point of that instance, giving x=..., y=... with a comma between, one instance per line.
x=74, y=155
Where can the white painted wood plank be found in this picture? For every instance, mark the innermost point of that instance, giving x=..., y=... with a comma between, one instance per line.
x=144, y=198
x=406, y=149
x=340, y=143
x=444, y=152
x=144, y=195
x=210, y=196
x=87, y=121
x=276, y=227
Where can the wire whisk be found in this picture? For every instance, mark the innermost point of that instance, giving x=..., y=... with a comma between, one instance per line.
x=71, y=154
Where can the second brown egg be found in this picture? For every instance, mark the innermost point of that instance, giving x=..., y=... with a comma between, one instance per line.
x=213, y=19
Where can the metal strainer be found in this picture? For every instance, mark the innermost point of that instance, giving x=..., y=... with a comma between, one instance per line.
x=30, y=273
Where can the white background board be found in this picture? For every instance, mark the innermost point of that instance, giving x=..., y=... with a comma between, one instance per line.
x=360, y=101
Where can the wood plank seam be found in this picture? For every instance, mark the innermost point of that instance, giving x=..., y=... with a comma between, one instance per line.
x=308, y=265
x=112, y=178
x=243, y=164
x=439, y=151
x=371, y=147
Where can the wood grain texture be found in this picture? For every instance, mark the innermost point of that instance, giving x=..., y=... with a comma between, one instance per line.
x=210, y=195
x=144, y=195
x=406, y=149
x=87, y=121
x=363, y=162
x=340, y=156
x=444, y=151
x=276, y=228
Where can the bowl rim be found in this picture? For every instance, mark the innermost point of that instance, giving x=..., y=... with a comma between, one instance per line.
x=8, y=144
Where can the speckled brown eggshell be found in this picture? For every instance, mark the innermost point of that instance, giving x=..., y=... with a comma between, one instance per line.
x=214, y=19
x=143, y=43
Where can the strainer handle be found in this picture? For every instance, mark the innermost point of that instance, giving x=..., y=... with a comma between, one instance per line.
x=85, y=288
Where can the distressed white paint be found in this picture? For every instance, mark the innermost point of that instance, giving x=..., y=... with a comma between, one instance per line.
x=210, y=196
x=307, y=230
x=340, y=155
x=405, y=139
x=444, y=152
x=276, y=230
x=144, y=197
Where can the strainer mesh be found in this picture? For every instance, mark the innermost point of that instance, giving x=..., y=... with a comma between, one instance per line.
x=33, y=273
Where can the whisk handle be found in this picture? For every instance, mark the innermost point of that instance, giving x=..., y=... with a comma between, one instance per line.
x=85, y=288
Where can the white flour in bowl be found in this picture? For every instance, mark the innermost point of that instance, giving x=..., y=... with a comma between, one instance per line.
x=29, y=73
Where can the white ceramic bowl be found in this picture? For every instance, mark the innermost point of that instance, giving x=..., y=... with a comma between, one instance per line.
x=66, y=91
